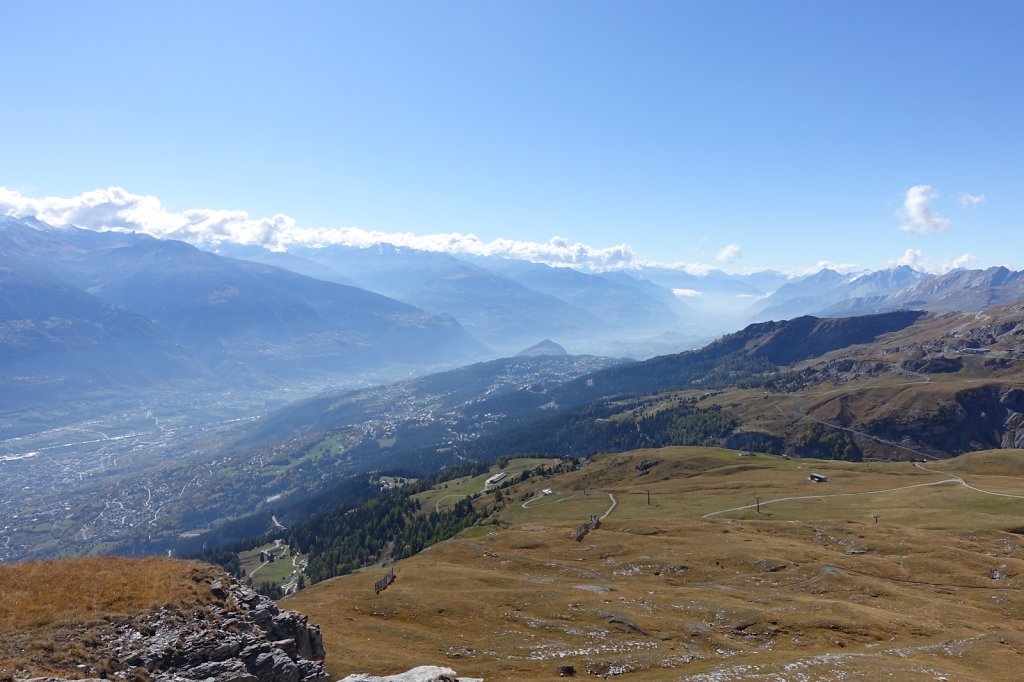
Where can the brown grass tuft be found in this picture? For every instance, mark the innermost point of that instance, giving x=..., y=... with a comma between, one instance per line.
x=40, y=593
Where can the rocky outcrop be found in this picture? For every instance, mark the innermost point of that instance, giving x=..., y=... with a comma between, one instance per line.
x=933, y=365
x=1013, y=422
x=237, y=636
x=243, y=637
x=980, y=418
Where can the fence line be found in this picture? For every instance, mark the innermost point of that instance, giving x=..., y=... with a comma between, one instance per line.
x=593, y=524
x=383, y=583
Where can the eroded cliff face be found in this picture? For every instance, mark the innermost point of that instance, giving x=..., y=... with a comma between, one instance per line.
x=986, y=417
x=240, y=636
x=1013, y=432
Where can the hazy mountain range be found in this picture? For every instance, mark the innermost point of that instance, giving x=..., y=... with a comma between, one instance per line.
x=507, y=302
x=84, y=311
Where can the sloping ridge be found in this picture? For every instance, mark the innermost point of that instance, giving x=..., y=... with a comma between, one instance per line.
x=545, y=347
x=959, y=290
x=777, y=343
x=808, y=336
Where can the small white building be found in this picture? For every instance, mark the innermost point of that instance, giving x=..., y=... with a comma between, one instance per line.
x=496, y=478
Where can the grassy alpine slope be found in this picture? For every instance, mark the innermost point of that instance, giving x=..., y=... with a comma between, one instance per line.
x=699, y=585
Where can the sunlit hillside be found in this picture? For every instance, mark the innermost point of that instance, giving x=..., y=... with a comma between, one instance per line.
x=882, y=569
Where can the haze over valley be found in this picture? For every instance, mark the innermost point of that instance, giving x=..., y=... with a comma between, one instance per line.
x=514, y=340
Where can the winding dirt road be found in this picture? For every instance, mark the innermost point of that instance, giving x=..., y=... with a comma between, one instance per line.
x=611, y=508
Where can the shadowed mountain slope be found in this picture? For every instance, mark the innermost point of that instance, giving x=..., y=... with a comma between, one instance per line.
x=244, y=321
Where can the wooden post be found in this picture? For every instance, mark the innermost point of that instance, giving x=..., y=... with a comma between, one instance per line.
x=758, y=498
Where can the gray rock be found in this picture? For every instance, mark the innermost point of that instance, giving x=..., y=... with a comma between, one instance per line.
x=312, y=671
x=275, y=666
x=220, y=671
x=217, y=588
x=226, y=648
x=242, y=637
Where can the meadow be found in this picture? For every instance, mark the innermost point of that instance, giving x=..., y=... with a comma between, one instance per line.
x=687, y=587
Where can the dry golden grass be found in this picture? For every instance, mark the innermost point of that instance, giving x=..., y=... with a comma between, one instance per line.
x=1006, y=462
x=688, y=483
x=40, y=593
x=54, y=615
x=810, y=589
x=669, y=599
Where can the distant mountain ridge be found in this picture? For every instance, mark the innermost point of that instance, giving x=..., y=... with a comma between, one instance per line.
x=545, y=347
x=507, y=302
x=958, y=290
x=85, y=310
x=829, y=293
x=55, y=337
x=773, y=343
x=516, y=417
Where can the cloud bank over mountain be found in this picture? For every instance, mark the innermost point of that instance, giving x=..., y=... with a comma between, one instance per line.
x=916, y=259
x=115, y=208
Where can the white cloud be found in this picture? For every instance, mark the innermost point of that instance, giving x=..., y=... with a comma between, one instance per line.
x=917, y=212
x=916, y=259
x=728, y=254
x=115, y=208
x=967, y=199
x=687, y=293
x=963, y=261
x=699, y=269
x=911, y=257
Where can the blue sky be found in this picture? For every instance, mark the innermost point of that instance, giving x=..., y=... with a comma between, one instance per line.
x=795, y=132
